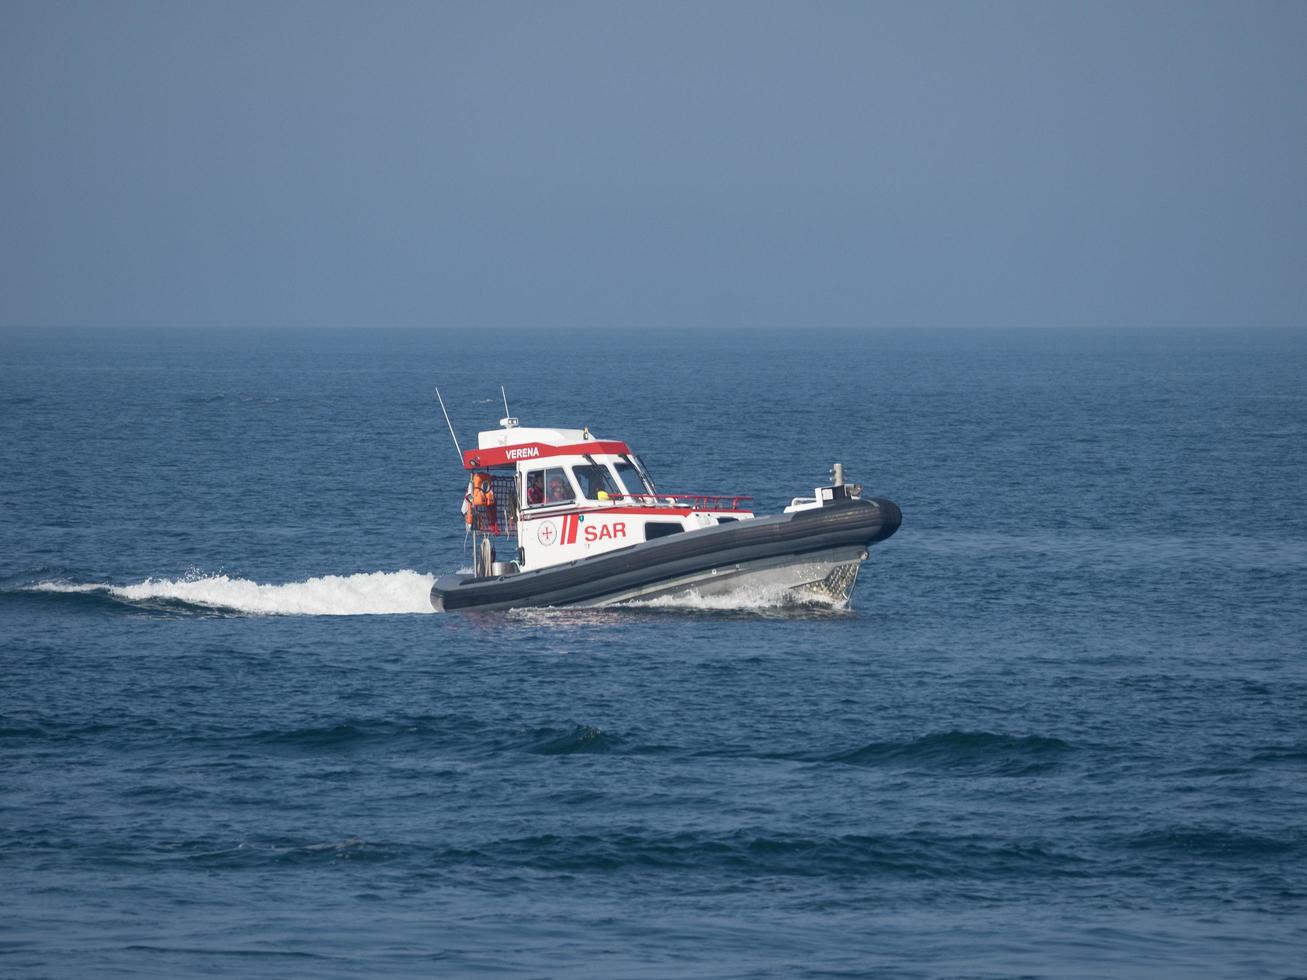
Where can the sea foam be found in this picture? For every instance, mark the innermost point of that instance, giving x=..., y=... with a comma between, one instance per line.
x=367, y=593
x=752, y=598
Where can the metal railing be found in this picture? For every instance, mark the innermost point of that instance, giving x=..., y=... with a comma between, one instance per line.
x=694, y=501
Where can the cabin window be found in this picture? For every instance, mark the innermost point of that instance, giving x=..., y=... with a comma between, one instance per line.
x=595, y=480
x=533, y=489
x=548, y=486
x=631, y=479
x=727, y=520
x=660, y=529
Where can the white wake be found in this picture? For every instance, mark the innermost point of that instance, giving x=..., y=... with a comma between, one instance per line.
x=389, y=593
x=365, y=594
x=750, y=598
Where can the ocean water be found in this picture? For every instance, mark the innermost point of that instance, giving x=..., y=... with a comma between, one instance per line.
x=1062, y=732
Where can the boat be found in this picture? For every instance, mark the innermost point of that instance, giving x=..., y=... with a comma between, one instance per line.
x=588, y=527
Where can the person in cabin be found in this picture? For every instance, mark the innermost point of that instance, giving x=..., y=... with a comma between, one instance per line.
x=598, y=484
x=535, y=489
x=558, y=491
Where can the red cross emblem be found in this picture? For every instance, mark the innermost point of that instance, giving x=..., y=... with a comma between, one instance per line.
x=547, y=532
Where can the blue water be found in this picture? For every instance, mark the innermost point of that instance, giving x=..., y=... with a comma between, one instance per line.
x=1063, y=731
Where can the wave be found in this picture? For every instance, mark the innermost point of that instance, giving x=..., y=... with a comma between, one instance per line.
x=1213, y=843
x=758, y=851
x=969, y=752
x=458, y=733
x=364, y=594
x=1271, y=754
x=583, y=739
x=745, y=852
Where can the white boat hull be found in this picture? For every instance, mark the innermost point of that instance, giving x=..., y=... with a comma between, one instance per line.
x=820, y=580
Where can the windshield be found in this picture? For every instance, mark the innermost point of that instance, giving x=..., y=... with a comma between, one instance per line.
x=642, y=472
x=631, y=478
x=595, y=480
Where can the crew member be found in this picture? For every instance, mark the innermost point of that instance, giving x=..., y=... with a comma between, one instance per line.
x=535, y=490
x=481, y=515
x=598, y=484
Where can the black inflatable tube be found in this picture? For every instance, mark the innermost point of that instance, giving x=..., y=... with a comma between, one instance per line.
x=844, y=523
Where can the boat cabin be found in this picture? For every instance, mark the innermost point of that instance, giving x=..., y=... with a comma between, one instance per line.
x=563, y=495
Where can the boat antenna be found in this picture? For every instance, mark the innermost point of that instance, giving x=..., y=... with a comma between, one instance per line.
x=451, y=427
x=508, y=422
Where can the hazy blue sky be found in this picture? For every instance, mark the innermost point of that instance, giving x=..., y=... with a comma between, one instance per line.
x=622, y=164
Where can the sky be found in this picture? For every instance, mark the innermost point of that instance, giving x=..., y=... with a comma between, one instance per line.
x=625, y=165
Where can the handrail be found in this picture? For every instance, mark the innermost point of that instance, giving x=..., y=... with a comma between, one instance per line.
x=697, y=501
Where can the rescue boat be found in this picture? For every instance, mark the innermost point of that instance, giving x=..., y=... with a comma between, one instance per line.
x=588, y=527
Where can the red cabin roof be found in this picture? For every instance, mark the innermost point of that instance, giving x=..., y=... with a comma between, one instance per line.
x=479, y=459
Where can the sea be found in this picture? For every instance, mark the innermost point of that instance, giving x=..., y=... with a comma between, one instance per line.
x=1061, y=732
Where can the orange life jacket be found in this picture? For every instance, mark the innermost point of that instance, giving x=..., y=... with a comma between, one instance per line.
x=482, y=495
